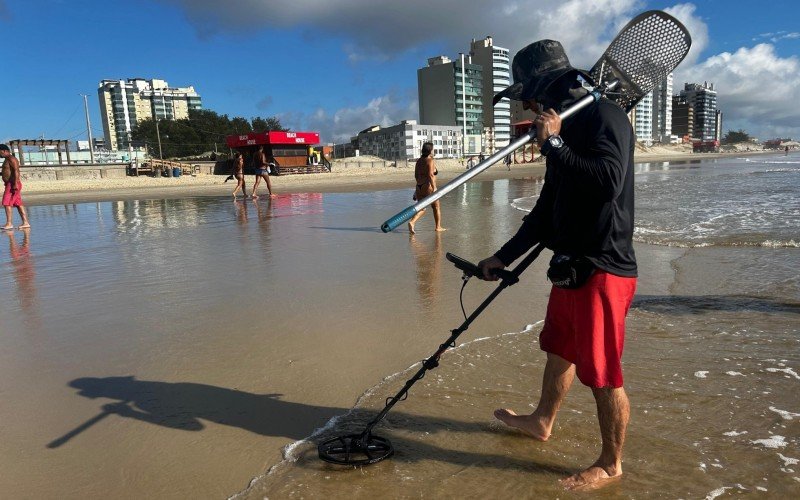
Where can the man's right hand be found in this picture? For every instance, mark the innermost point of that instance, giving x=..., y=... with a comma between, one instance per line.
x=489, y=264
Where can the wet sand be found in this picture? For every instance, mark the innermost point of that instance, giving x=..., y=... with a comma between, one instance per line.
x=174, y=348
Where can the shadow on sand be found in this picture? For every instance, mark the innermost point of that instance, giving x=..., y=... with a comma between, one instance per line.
x=184, y=405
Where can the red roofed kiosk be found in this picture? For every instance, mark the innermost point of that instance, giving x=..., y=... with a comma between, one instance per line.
x=292, y=152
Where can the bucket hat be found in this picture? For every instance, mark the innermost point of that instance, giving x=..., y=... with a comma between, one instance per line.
x=535, y=68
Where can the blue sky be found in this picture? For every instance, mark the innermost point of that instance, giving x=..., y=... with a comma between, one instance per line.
x=338, y=66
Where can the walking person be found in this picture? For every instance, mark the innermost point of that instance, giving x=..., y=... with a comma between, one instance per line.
x=425, y=173
x=584, y=214
x=507, y=161
x=12, y=192
x=262, y=172
x=238, y=174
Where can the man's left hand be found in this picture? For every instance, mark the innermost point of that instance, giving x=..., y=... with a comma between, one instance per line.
x=547, y=123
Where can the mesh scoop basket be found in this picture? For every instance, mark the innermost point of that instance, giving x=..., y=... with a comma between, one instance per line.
x=647, y=49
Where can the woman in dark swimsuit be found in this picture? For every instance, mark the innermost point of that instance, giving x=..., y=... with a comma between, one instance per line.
x=425, y=173
x=238, y=174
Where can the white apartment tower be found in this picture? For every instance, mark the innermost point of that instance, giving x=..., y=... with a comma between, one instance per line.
x=125, y=103
x=496, y=76
x=642, y=119
x=662, y=111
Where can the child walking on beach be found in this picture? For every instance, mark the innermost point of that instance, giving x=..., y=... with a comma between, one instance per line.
x=12, y=196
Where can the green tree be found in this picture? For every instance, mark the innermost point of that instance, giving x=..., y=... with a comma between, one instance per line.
x=203, y=131
x=264, y=124
x=734, y=136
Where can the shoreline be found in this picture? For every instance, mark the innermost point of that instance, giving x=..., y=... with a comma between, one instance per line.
x=339, y=181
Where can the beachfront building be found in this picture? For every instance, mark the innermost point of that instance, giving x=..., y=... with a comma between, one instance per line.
x=682, y=117
x=405, y=140
x=662, y=112
x=642, y=120
x=496, y=77
x=125, y=103
x=451, y=94
x=703, y=101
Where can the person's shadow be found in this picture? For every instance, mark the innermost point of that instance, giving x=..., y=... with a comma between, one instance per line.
x=184, y=405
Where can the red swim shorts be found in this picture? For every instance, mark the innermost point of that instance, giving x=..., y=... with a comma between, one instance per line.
x=12, y=199
x=586, y=326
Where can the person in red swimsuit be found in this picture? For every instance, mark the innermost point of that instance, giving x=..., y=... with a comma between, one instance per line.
x=584, y=214
x=12, y=196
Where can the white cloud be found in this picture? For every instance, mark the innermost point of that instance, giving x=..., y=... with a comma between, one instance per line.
x=755, y=86
x=756, y=89
x=344, y=123
x=377, y=30
x=685, y=13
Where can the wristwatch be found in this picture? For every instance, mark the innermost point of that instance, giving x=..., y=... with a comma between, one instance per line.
x=551, y=143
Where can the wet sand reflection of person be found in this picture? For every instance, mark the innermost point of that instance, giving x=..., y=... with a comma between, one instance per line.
x=24, y=272
x=429, y=266
x=263, y=210
x=241, y=210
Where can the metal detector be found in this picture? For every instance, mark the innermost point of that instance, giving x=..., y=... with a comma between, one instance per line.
x=365, y=448
x=647, y=49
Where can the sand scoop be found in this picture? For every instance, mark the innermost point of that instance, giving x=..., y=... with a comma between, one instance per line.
x=647, y=49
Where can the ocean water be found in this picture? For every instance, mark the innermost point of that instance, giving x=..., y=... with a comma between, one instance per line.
x=190, y=347
x=712, y=366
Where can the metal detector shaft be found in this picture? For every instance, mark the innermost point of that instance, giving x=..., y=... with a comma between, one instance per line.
x=433, y=361
x=409, y=212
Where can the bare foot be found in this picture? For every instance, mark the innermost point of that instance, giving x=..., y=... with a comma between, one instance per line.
x=254, y=196
x=7, y=228
x=592, y=478
x=411, y=228
x=24, y=226
x=533, y=426
x=440, y=229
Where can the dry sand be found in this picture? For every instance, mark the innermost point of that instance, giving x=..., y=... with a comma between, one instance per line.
x=342, y=179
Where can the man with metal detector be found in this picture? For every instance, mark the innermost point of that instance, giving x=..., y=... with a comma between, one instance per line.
x=584, y=214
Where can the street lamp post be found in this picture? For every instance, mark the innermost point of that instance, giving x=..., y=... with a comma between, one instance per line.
x=160, y=155
x=88, y=127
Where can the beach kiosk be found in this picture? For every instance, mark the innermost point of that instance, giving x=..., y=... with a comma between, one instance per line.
x=289, y=151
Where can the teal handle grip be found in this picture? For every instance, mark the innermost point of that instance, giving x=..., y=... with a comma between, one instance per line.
x=398, y=219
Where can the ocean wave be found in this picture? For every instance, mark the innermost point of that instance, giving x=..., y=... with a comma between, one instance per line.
x=702, y=244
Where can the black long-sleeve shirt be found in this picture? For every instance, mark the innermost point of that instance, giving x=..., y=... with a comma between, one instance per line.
x=586, y=204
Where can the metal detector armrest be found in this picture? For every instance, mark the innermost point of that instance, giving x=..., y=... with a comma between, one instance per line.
x=471, y=269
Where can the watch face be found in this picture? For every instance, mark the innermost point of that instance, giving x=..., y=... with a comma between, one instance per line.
x=556, y=141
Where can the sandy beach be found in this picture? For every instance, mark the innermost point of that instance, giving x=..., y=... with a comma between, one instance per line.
x=185, y=345
x=341, y=179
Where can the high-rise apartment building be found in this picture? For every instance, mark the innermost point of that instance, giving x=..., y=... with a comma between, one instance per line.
x=703, y=101
x=662, y=111
x=642, y=120
x=652, y=116
x=451, y=93
x=496, y=77
x=682, y=117
x=125, y=103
